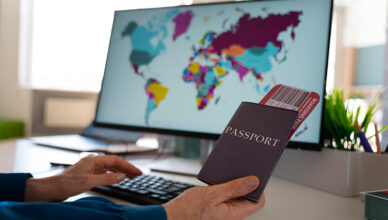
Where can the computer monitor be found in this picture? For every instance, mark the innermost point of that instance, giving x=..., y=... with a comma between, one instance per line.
x=184, y=70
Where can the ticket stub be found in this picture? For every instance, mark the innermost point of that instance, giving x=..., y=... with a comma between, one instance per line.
x=288, y=97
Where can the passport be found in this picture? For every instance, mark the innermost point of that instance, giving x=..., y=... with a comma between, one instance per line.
x=251, y=144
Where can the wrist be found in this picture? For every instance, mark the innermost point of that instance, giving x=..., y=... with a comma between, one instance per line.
x=178, y=211
x=169, y=212
x=43, y=189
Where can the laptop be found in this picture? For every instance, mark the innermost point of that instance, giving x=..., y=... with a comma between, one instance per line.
x=100, y=139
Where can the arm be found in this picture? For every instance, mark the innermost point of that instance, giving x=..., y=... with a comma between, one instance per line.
x=211, y=202
x=84, y=175
x=95, y=208
x=215, y=202
x=12, y=186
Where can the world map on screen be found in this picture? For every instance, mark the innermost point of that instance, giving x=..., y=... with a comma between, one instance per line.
x=249, y=46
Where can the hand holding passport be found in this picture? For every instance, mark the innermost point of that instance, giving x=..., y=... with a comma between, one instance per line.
x=256, y=136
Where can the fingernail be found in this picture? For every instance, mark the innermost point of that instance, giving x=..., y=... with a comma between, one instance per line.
x=120, y=177
x=253, y=182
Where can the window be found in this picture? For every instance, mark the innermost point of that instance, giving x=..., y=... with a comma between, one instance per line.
x=64, y=43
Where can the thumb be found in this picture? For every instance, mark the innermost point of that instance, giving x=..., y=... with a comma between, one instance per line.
x=236, y=188
x=105, y=178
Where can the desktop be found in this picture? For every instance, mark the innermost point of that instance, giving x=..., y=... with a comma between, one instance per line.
x=184, y=70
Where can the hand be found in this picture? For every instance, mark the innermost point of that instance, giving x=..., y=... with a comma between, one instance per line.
x=216, y=202
x=87, y=173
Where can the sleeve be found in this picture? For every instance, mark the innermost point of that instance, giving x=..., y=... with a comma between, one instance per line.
x=12, y=186
x=87, y=208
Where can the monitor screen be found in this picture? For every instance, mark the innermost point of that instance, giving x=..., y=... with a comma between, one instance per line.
x=185, y=70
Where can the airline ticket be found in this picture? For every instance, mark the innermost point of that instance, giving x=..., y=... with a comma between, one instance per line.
x=292, y=98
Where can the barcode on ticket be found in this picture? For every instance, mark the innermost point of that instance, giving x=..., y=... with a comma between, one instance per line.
x=288, y=97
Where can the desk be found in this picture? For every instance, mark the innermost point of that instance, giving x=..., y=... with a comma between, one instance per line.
x=285, y=200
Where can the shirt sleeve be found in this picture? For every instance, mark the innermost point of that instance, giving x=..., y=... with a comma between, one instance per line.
x=86, y=208
x=12, y=186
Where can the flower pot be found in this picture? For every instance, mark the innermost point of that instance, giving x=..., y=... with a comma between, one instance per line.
x=330, y=170
x=374, y=172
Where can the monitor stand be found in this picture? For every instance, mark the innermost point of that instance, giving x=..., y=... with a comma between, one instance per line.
x=183, y=166
x=110, y=134
x=98, y=139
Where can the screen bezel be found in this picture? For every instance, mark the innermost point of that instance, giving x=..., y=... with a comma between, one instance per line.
x=212, y=136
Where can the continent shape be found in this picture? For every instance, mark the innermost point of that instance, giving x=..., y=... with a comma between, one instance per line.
x=259, y=58
x=268, y=29
x=143, y=51
x=238, y=49
x=182, y=23
x=206, y=78
x=156, y=93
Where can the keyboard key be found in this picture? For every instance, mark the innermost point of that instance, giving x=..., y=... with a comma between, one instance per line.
x=155, y=196
x=143, y=192
x=171, y=189
x=180, y=185
x=123, y=187
x=133, y=189
x=164, y=198
x=156, y=191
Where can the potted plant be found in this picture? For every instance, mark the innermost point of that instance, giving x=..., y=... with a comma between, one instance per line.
x=341, y=167
x=341, y=121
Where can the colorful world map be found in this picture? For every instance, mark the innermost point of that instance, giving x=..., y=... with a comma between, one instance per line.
x=247, y=47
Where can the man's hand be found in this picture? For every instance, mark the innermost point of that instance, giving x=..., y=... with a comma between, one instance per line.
x=216, y=202
x=89, y=172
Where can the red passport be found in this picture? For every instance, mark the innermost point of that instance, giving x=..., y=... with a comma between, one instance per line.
x=251, y=144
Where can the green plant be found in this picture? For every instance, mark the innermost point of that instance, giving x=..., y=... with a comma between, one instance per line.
x=340, y=123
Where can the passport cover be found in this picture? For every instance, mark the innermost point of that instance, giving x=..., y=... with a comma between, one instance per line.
x=251, y=144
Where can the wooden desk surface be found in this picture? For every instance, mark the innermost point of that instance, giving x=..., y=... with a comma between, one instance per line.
x=285, y=200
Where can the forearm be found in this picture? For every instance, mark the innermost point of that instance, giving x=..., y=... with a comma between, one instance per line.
x=88, y=208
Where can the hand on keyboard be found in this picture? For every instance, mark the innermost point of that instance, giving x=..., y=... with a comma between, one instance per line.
x=87, y=173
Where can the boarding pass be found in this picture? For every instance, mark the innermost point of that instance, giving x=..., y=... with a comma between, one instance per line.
x=292, y=98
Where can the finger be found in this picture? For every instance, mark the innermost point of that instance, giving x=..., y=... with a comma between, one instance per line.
x=105, y=179
x=235, y=188
x=244, y=207
x=247, y=207
x=129, y=175
x=117, y=164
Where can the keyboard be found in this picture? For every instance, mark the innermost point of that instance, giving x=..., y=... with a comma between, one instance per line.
x=145, y=190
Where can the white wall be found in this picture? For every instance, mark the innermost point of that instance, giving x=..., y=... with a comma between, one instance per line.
x=365, y=23
x=15, y=103
x=385, y=99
